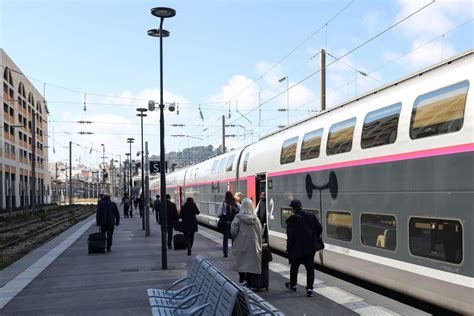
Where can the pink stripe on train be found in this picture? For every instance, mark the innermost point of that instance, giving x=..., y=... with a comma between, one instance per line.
x=369, y=161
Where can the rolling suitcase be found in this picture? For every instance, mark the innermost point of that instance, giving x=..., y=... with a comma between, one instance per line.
x=179, y=242
x=97, y=243
x=260, y=281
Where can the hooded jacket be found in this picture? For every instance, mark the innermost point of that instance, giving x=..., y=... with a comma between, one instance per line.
x=246, y=230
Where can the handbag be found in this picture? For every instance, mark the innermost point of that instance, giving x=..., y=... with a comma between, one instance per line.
x=318, y=243
x=221, y=223
x=266, y=253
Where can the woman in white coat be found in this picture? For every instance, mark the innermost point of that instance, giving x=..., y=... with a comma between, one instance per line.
x=246, y=230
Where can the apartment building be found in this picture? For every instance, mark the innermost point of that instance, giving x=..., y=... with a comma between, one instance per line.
x=24, y=141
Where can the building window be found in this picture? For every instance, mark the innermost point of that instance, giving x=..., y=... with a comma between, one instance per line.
x=7, y=147
x=340, y=137
x=380, y=126
x=311, y=144
x=230, y=163
x=440, y=111
x=379, y=231
x=5, y=107
x=339, y=225
x=438, y=239
x=12, y=112
x=246, y=161
x=12, y=130
x=6, y=128
x=288, y=150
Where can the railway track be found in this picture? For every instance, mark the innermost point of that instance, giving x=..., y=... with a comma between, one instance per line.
x=20, y=239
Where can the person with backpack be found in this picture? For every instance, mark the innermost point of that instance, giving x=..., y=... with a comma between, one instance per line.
x=189, y=223
x=227, y=211
x=303, y=231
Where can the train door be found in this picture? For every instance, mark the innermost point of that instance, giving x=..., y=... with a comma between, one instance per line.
x=261, y=185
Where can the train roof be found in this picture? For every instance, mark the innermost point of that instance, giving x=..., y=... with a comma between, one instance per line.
x=375, y=91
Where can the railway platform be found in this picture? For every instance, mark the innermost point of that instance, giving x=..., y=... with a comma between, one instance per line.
x=61, y=278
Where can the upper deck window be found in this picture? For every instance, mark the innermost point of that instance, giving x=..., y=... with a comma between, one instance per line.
x=440, y=111
x=222, y=165
x=288, y=150
x=246, y=160
x=340, y=137
x=311, y=144
x=230, y=163
x=380, y=126
x=215, y=164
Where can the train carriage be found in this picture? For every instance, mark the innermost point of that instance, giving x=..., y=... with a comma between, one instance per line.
x=390, y=175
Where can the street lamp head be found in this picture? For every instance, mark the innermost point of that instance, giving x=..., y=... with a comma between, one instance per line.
x=172, y=107
x=157, y=33
x=142, y=109
x=163, y=12
x=151, y=105
x=141, y=115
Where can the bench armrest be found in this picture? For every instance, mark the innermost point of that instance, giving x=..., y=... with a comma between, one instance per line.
x=199, y=310
x=175, y=283
x=182, y=292
x=184, y=303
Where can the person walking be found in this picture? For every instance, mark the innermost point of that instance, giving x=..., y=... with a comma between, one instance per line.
x=141, y=205
x=261, y=211
x=126, y=205
x=189, y=223
x=302, y=231
x=226, y=213
x=172, y=219
x=156, y=207
x=107, y=217
x=246, y=231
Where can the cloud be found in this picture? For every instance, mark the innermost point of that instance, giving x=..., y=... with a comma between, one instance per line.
x=433, y=20
x=429, y=53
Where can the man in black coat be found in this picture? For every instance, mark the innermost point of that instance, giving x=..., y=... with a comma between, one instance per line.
x=302, y=229
x=156, y=207
x=107, y=217
x=172, y=218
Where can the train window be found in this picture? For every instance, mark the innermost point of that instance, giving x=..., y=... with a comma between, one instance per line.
x=246, y=161
x=311, y=144
x=379, y=231
x=440, y=111
x=230, y=163
x=340, y=137
x=439, y=239
x=222, y=165
x=215, y=164
x=339, y=225
x=288, y=150
x=380, y=126
x=286, y=212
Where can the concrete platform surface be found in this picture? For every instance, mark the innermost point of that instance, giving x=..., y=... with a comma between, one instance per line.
x=61, y=278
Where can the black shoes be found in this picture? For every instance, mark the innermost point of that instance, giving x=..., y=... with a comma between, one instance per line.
x=225, y=256
x=309, y=292
x=189, y=252
x=291, y=287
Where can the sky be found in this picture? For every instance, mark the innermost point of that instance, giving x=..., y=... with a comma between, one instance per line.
x=226, y=58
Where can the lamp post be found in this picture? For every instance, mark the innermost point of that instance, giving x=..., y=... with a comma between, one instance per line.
x=103, y=168
x=125, y=178
x=162, y=13
x=130, y=141
x=141, y=115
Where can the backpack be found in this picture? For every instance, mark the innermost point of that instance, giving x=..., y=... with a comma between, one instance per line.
x=231, y=211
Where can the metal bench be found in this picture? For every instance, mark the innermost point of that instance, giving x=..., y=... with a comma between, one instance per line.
x=257, y=305
x=218, y=297
x=185, y=282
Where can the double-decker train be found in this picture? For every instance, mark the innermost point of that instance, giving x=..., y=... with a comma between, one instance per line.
x=390, y=175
